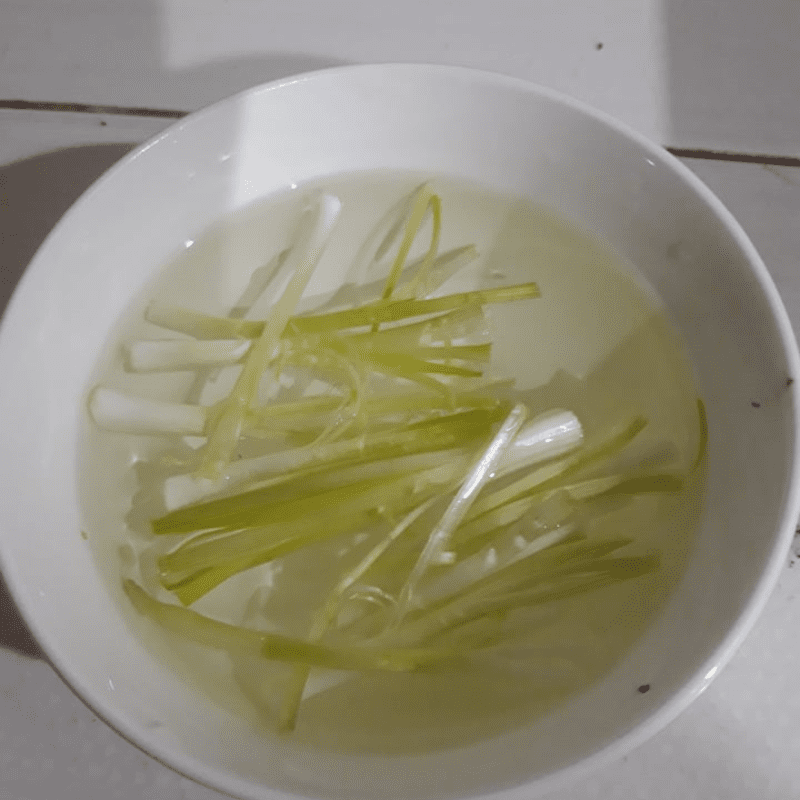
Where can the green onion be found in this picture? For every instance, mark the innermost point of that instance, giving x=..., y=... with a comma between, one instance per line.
x=424, y=200
x=222, y=438
x=207, y=326
x=377, y=432
x=277, y=647
x=476, y=479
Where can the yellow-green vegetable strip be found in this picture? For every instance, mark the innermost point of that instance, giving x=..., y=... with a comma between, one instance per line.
x=325, y=616
x=552, y=475
x=224, y=435
x=394, y=311
x=592, y=577
x=702, y=444
x=208, y=326
x=277, y=647
x=248, y=510
x=424, y=200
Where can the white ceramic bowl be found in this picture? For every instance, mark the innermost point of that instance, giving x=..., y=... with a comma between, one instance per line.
x=494, y=130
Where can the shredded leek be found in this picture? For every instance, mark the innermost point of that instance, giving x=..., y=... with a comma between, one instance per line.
x=223, y=636
x=475, y=480
x=207, y=326
x=378, y=426
x=227, y=428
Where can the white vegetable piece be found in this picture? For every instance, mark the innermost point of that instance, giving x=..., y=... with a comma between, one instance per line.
x=551, y=434
x=163, y=355
x=116, y=411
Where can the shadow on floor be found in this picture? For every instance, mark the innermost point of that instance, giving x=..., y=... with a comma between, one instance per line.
x=34, y=194
x=732, y=74
x=14, y=633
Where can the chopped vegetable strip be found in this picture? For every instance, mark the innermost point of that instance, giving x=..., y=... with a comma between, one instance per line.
x=425, y=200
x=227, y=428
x=223, y=636
x=459, y=506
x=207, y=326
x=397, y=310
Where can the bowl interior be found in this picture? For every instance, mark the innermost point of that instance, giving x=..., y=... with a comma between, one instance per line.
x=492, y=130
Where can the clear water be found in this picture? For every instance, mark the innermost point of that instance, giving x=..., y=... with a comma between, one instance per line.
x=597, y=342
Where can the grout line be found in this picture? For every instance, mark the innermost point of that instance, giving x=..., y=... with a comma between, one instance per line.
x=168, y=113
x=742, y=158
x=83, y=108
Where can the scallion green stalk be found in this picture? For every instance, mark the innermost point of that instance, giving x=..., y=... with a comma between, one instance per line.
x=277, y=647
x=227, y=428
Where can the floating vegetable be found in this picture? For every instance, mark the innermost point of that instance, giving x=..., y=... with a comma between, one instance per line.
x=455, y=503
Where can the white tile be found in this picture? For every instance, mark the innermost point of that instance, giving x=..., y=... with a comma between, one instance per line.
x=766, y=202
x=732, y=75
x=185, y=53
x=688, y=74
x=52, y=747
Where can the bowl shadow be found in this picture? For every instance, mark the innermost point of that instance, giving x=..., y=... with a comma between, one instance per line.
x=14, y=633
x=34, y=194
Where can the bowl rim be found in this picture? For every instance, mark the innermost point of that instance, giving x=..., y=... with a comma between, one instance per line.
x=730, y=642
